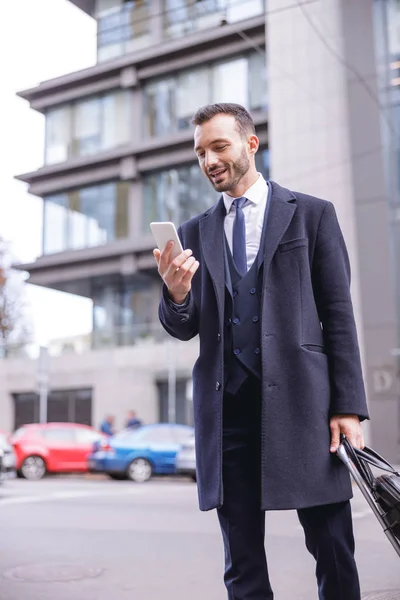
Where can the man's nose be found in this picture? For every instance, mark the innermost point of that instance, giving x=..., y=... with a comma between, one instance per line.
x=211, y=160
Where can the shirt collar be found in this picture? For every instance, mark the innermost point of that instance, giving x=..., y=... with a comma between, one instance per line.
x=255, y=193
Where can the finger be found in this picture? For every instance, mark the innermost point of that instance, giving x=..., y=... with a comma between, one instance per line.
x=157, y=255
x=165, y=256
x=182, y=271
x=335, y=436
x=179, y=261
x=191, y=272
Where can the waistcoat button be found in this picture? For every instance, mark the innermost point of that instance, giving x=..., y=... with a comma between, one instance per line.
x=253, y=291
x=236, y=351
x=236, y=320
x=257, y=351
x=255, y=319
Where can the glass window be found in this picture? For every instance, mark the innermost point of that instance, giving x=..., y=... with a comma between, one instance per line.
x=59, y=435
x=58, y=134
x=170, y=103
x=122, y=27
x=55, y=215
x=158, y=435
x=193, y=90
x=86, y=436
x=176, y=195
x=230, y=82
x=238, y=11
x=262, y=163
x=88, y=217
x=88, y=126
x=258, y=81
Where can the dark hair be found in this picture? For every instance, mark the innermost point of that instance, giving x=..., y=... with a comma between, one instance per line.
x=244, y=122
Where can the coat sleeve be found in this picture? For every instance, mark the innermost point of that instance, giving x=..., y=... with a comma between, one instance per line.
x=180, y=321
x=331, y=284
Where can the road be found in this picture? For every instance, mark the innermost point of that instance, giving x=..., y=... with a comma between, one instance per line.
x=88, y=538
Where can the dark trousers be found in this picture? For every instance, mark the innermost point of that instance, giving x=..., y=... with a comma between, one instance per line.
x=328, y=529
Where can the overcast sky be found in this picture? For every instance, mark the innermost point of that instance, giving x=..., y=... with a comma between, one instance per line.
x=40, y=39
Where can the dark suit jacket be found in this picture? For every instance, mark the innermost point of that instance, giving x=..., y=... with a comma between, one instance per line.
x=310, y=357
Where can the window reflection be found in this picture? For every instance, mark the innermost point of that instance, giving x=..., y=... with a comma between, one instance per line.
x=171, y=102
x=87, y=217
x=87, y=126
x=179, y=194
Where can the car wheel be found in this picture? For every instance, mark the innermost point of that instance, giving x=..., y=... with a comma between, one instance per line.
x=33, y=468
x=117, y=476
x=140, y=470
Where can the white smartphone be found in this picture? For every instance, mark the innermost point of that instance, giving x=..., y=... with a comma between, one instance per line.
x=164, y=232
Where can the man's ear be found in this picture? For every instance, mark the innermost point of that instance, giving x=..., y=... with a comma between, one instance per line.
x=253, y=144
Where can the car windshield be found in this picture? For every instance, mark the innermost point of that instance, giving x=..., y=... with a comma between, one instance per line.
x=18, y=433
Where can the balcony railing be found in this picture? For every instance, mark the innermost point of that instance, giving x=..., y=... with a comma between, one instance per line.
x=130, y=27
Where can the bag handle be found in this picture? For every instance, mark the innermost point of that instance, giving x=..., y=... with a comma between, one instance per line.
x=370, y=456
x=363, y=469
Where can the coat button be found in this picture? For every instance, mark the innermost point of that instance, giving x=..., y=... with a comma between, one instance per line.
x=253, y=291
x=219, y=337
x=236, y=351
x=235, y=293
x=236, y=320
x=257, y=351
x=255, y=319
x=217, y=386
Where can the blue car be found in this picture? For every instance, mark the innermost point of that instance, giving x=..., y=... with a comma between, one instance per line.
x=137, y=454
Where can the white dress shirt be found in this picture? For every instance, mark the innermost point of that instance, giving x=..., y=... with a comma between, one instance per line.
x=253, y=210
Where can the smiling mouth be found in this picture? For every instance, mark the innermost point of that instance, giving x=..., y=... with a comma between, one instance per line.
x=217, y=174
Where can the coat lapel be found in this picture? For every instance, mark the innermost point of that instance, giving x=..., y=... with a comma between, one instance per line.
x=279, y=215
x=212, y=245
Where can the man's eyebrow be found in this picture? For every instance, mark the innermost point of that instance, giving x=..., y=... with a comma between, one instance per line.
x=216, y=141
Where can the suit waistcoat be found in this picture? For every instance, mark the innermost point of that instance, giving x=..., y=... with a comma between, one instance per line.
x=242, y=318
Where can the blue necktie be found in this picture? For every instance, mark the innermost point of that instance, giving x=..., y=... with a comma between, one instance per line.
x=239, y=237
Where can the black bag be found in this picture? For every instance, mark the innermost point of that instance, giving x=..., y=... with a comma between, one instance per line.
x=382, y=492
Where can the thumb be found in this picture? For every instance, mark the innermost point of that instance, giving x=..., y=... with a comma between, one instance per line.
x=335, y=439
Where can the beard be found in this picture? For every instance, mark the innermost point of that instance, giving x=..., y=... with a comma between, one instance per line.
x=233, y=174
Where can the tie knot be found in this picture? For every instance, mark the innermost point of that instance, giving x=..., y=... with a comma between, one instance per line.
x=239, y=202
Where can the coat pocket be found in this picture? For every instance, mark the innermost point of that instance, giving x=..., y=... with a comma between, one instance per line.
x=292, y=244
x=317, y=348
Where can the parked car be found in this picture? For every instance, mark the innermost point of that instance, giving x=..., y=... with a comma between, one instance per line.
x=186, y=459
x=53, y=448
x=137, y=454
x=7, y=457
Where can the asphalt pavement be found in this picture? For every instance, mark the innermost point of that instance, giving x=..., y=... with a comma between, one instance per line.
x=90, y=538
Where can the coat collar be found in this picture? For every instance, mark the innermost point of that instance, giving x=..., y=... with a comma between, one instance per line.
x=279, y=214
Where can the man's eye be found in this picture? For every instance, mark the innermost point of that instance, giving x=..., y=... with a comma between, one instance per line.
x=220, y=148
x=200, y=156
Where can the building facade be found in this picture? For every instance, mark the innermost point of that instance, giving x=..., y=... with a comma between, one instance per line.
x=119, y=154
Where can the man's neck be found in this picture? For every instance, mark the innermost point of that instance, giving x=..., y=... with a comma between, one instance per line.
x=244, y=184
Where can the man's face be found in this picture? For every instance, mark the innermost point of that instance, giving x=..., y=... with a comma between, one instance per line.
x=223, y=154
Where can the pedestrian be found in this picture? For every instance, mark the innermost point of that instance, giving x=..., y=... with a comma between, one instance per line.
x=132, y=420
x=107, y=425
x=264, y=281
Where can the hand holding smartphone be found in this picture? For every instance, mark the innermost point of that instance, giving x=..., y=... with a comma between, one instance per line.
x=177, y=276
x=164, y=232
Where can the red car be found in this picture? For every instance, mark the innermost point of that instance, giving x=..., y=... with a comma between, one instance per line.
x=53, y=448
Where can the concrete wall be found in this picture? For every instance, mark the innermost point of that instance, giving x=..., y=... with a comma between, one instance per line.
x=121, y=378
x=324, y=136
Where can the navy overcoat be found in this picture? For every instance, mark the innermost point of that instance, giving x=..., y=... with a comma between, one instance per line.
x=311, y=365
